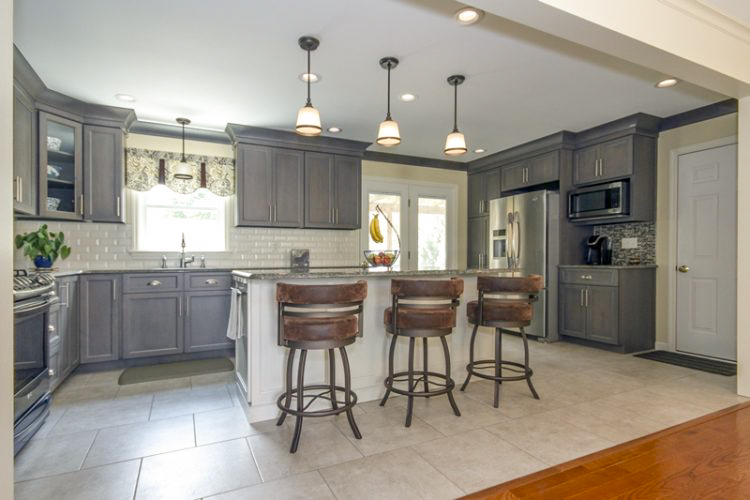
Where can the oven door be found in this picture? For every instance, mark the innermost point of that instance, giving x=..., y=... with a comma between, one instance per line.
x=30, y=376
x=603, y=200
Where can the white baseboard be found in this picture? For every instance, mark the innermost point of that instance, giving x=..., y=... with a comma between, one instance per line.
x=662, y=346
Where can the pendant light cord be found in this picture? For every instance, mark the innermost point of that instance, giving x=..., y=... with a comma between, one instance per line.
x=309, y=77
x=455, y=107
x=183, y=143
x=388, y=100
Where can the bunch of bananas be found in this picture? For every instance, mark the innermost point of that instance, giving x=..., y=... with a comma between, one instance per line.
x=375, y=233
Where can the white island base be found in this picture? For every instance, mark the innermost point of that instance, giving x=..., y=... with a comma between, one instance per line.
x=261, y=362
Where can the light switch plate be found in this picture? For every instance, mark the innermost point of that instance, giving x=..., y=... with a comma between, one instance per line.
x=630, y=243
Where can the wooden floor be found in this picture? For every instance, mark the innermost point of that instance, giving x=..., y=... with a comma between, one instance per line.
x=706, y=458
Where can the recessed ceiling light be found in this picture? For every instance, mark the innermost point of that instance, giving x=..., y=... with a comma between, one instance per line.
x=667, y=82
x=125, y=97
x=334, y=130
x=468, y=15
x=407, y=97
x=479, y=150
x=314, y=78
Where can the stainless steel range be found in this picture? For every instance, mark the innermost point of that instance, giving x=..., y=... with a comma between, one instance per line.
x=33, y=297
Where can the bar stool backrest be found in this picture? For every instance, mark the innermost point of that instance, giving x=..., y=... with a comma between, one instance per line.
x=432, y=294
x=524, y=289
x=320, y=301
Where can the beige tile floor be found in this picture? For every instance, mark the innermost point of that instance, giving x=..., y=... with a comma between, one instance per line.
x=189, y=438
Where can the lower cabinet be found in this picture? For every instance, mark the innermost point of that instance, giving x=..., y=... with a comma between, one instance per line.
x=206, y=320
x=152, y=324
x=100, y=314
x=478, y=243
x=67, y=290
x=612, y=306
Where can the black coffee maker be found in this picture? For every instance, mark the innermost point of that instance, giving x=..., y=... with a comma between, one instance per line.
x=598, y=250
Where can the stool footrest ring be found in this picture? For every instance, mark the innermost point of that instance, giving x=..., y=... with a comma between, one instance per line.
x=325, y=394
x=445, y=387
x=491, y=363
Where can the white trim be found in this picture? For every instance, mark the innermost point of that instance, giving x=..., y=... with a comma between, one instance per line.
x=674, y=157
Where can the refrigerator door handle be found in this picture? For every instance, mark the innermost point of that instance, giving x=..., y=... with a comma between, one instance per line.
x=511, y=242
x=517, y=236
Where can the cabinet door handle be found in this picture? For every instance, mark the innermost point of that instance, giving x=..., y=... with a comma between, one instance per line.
x=20, y=189
x=154, y=283
x=81, y=201
x=212, y=281
x=337, y=215
x=117, y=206
x=601, y=166
x=114, y=291
x=15, y=189
x=587, y=297
x=179, y=306
x=270, y=212
x=582, y=289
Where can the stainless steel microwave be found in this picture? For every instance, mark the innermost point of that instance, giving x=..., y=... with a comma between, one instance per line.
x=600, y=201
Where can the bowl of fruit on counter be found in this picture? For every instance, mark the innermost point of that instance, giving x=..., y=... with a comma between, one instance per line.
x=381, y=258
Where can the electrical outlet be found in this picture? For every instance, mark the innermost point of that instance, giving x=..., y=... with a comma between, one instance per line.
x=629, y=243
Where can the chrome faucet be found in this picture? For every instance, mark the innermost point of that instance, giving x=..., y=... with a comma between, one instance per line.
x=184, y=261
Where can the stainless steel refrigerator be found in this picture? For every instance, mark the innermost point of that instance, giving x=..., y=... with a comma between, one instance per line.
x=524, y=232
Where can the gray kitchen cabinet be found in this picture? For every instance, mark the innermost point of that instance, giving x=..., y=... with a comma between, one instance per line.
x=206, y=320
x=483, y=187
x=478, y=243
x=68, y=325
x=603, y=162
x=100, y=317
x=60, y=167
x=332, y=191
x=24, y=152
x=104, y=174
x=152, y=324
x=540, y=169
x=269, y=186
x=347, y=192
x=608, y=306
x=53, y=347
x=572, y=318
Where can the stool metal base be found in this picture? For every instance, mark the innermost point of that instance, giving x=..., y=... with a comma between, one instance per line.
x=414, y=378
x=325, y=392
x=498, y=363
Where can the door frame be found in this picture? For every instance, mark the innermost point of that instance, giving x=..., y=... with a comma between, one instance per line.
x=405, y=188
x=674, y=158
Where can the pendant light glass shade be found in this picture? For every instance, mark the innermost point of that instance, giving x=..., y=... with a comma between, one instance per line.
x=388, y=132
x=308, y=121
x=308, y=118
x=183, y=170
x=455, y=144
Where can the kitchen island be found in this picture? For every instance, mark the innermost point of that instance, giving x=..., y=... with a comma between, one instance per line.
x=260, y=361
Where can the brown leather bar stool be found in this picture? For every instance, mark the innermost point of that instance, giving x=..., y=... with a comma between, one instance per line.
x=503, y=303
x=318, y=317
x=422, y=309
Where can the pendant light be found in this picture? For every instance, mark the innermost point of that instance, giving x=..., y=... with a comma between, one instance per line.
x=308, y=118
x=455, y=143
x=388, y=133
x=183, y=170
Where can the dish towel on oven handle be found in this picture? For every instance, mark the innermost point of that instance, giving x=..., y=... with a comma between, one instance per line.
x=235, y=328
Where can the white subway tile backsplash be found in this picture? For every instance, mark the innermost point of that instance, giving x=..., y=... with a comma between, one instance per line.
x=109, y=246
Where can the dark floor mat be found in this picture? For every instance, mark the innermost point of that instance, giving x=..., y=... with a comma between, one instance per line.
x=178, y=369
x=694, y=362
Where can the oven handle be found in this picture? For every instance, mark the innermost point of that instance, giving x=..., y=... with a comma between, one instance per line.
x=28, y=388
x=32, y=307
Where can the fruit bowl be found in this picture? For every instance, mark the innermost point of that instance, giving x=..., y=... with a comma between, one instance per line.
x=381, y=258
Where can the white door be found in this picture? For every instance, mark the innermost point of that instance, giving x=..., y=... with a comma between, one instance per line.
x=425, y=217
x=707, y=253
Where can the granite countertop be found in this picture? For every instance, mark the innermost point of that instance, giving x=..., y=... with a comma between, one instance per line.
x=586, y=266
x=357, y=272
x=73, y=272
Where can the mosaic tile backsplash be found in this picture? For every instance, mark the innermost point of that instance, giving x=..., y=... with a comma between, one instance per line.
x=644, y=231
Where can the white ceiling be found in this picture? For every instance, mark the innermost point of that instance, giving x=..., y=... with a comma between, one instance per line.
x=238, y=61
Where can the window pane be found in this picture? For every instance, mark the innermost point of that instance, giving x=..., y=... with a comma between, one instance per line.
x=390, y=204
x=432, y=213
x=164, y=216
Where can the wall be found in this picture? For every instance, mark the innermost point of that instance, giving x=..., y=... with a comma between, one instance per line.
x=427, y=175
x=671, y=140
x=6, y=256
x=743, y=247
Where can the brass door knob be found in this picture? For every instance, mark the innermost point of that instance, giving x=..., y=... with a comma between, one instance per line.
x=683, y=269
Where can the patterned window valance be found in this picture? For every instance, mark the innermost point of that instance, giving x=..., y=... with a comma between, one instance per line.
x=146, y=168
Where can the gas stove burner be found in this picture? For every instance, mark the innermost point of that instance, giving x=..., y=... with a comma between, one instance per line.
x=32, y=284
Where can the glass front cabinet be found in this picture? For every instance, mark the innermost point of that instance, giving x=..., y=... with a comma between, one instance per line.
x=60, y=167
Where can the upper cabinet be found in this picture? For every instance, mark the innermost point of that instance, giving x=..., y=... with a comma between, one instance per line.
x=104, y=173
x=269, y=186
x=24, y=152
x=286, y=180
x=60, y=167
x=603, y=162
x=539, y=169
x=69, y=155
x=483, y=187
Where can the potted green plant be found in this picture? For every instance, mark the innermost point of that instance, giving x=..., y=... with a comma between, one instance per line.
x=43, y=247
